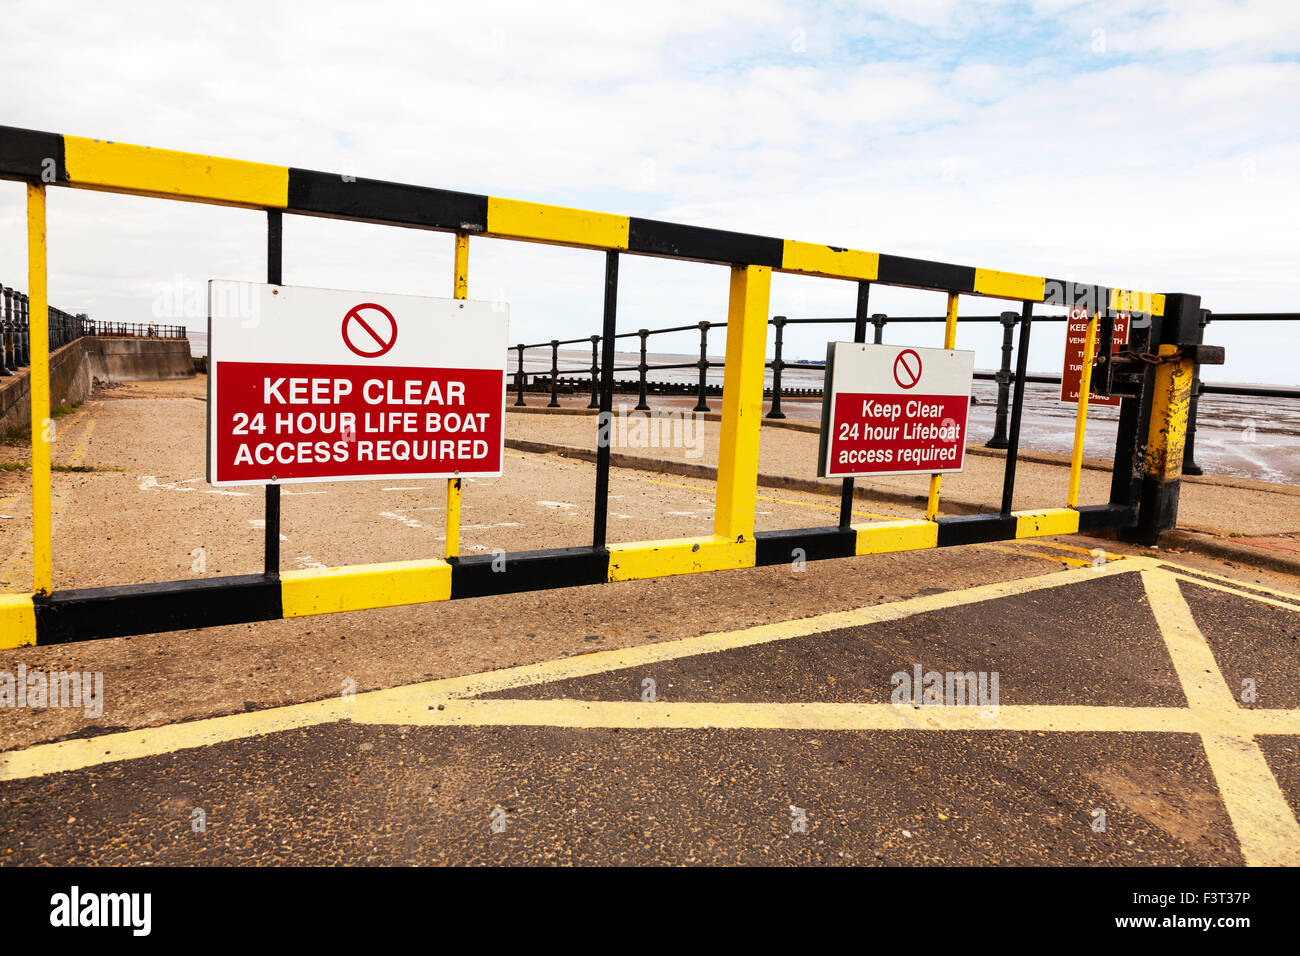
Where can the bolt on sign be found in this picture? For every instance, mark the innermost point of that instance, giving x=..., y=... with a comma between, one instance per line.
x=323, y=385
x=1076, y=333
x=893, y=410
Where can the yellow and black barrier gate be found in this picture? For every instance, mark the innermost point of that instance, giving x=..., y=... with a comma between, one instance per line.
x=1153, y=376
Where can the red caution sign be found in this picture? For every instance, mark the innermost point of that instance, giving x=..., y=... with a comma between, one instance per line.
x=313, y=385
x=1076, y=334
x=888, y=410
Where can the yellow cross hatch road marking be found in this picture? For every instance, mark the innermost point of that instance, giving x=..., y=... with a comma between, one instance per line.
x=1264, y=824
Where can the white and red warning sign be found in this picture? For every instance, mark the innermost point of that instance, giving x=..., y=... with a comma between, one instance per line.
x=894, y=410
x=1076, y=335
x=323, y=385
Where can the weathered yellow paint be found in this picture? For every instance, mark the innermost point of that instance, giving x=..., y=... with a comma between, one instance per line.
x=459, y=290
x=142, y=171
x=1170, y=405
x=513, y=219
x=1030, y=524
x=1009, y=285
x=17, y=621
x=742, y=402
x=1081, y=411
x=884, y=537
x=361, y=586
x=1122, y=300
x=453, y=518
x=460, y=270
x=810, y=258
x=38, y=320
x=655, y=559
x=949, y=342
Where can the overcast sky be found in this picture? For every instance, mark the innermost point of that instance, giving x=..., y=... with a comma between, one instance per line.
x=1149, y=145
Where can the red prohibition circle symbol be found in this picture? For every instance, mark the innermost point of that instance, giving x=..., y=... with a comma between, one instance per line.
x=369, y=330
x=907, y=368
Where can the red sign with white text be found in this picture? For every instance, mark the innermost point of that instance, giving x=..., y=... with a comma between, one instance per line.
x=1076, y=335
x=877, y=434
x=291, y=422
x=322, y=385
x=893, y=410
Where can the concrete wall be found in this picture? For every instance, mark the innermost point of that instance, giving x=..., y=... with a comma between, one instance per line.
x=138, y=359
x=76, y=367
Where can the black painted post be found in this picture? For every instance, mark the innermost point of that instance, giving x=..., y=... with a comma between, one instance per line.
x=779, y=321
x=6, y=348
x=999, y=439
x=8, y=336
x=702, y=405
x=25, y=356
x=878, y=322
x=10, y=323
x=605, y=418
x=595, y=372
x=24, y=342
x=274, y=276
x=859, y=335
x=1158, y=478
x=520, y=377
x=20, y=303
x=555, y=374
x=643, y=405
x=1017, y=406
x=6, y=311
x=1190, y=467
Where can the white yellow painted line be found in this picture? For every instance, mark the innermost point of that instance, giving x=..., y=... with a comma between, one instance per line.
x=78, y=754
x=1029, y=553
x=1292, y=605
x=1266, y=828
x=690, y=715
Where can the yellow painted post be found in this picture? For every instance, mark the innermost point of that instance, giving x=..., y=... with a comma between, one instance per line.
x=1081, y=415
x=742, y=402
x=1170, y=406
x=42, y=424
x=460, y=283
x=459, y=290
x=949, y=342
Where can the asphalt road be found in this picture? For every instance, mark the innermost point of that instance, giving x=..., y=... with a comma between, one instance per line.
x=747, y=717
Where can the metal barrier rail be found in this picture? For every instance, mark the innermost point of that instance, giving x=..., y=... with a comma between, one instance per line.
x=879, y=320
x=15, y=331
x=1144, y=487
x=61, y=329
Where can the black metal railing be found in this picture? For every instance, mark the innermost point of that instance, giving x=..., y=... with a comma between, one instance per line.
x=551, y=380
x=64, y=327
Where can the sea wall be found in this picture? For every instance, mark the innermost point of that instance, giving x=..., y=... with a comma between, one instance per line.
x=76, y=367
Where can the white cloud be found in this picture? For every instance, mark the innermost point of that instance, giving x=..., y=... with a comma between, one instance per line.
x=998, y=141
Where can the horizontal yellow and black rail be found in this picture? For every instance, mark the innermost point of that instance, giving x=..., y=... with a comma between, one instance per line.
x=143, y=171
x=88, y=613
